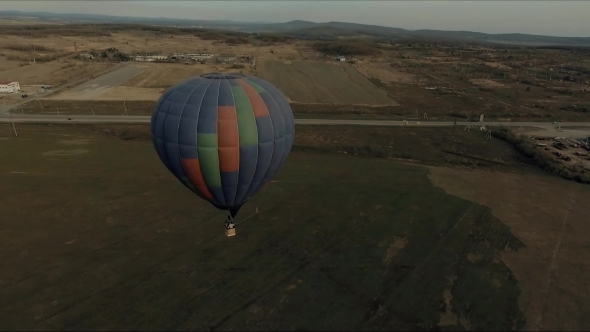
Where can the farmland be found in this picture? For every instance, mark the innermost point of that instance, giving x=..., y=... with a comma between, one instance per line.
x=399, y=246
x=54, y=73
x=323, y=83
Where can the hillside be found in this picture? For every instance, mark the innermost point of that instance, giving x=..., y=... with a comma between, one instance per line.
x=311, y=30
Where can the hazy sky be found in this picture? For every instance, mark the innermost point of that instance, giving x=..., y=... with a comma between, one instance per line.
x=555, y=18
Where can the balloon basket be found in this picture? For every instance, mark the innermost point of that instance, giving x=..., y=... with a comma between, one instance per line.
x=230, y=226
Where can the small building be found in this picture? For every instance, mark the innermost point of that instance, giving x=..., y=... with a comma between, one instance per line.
x=226, y=58
x=149, y=58
x=201, y=57
x=9, y=87
x=142, y=58
x=340, y=58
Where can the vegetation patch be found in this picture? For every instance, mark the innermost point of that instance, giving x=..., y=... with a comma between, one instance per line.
x=132, y=243
x=348, y=47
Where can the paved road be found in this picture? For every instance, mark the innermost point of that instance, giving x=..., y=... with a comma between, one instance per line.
x=98, y=86
x=120, y=75
x=111, y=79
x=35, y=118
x=39, y=118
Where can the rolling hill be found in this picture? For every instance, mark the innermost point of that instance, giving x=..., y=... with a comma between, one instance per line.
x=311, y=30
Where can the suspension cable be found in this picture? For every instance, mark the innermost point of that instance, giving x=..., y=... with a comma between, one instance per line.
x=255, y=209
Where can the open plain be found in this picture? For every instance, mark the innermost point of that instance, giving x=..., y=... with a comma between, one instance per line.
x=415, y=247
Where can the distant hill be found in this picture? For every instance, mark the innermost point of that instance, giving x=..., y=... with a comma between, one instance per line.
x=97, y=18
x=344, y=29
x=312, y=30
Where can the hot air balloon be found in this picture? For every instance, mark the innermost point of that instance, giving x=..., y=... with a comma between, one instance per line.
x=224, y=136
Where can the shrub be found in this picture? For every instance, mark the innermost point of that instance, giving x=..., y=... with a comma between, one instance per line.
x=272, y=38
x=65, y=30
x=236, y=40
x=346, y=48
x=29, y=48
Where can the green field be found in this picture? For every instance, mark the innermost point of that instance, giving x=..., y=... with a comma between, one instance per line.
x=98, y=235
x=318, y=82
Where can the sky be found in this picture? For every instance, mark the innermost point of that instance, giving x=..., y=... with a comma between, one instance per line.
x=553, y=18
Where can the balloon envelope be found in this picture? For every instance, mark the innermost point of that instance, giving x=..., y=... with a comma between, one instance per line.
x=223, y=136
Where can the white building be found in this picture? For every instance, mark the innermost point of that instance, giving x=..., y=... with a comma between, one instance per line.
x=197, y=56
x=142, y=58
x=9, y=87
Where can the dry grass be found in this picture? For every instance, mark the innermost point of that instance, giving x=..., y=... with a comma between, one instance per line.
x=319, y=82
x=54, y=72
x=28, y=48
x=163, y=76
x=487, y=83
x=549, y=216
x=385, y=73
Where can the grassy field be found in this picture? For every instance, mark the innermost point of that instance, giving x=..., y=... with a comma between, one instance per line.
x=165, y=75
x=549, y=215
x=85, y=107
x=144, y=107
x=317, y=82
x=340, y=242
x=431, y=146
